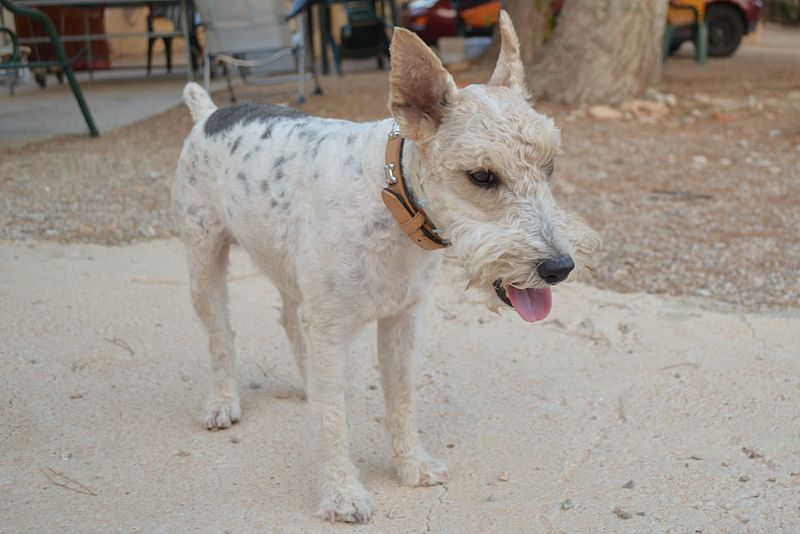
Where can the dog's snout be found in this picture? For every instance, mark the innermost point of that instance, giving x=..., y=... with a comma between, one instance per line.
x=555, y=270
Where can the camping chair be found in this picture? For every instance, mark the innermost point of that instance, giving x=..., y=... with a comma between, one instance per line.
x=254, y=36
x=364, y=34
x=682, y=13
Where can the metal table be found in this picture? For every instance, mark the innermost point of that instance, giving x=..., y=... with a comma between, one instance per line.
x=88, y=38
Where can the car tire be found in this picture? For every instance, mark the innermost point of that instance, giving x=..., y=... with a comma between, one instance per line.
x=725, y=30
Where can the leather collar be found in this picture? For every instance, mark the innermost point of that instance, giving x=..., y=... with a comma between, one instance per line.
x=399, y=201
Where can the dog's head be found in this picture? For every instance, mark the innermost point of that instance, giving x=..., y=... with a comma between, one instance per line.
x=484, y=163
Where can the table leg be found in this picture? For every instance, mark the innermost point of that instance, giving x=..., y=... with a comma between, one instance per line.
x=186, y=38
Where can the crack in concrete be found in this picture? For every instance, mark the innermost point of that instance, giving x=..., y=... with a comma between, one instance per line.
x=428, y=517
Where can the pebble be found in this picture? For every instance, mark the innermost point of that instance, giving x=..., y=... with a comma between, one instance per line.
x=566, y=504
x=604, y=113
x=699, y=160
x=775, y=133
x=629, y=484
x=622, y=514
x=725, y=162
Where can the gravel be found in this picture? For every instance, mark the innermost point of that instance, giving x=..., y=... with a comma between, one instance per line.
x=704, y=202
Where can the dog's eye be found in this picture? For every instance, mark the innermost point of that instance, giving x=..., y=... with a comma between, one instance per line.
x=483, y=178
x=549, y=168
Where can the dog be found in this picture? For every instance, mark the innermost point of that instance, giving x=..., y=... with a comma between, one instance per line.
x=326, y=208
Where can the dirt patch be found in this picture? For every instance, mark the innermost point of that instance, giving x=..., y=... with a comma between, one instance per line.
x=702, y=202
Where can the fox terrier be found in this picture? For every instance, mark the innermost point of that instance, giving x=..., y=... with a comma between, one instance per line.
x=326, y=208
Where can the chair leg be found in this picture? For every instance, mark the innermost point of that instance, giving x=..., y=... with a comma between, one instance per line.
x=168, y=51
x=301, y=57
x=207, y=72
x=667, y=42
x=228, y=78
x=701, y=43
x=150, y=41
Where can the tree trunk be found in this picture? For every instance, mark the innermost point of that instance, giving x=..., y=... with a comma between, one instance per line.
x=604, y=51
x=530, y=18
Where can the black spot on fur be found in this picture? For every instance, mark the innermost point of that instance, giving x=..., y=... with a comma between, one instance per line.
x=252, y=153
x=224, y=119
x=316, y=148
x=191, y=210
x=192, y=179
x=246, y=186
x=236, y=144
x=264, y=186
x=354, y=166
x=351, y=139
x=273, y=202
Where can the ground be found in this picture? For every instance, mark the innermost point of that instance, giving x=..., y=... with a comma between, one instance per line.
x=620, y=413
x=625, y=411
x=699, y=203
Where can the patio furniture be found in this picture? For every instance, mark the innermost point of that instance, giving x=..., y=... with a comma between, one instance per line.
x=84, y=54
x=62, y=61
x=252, y=37
x=363, y=35
x=173, y=14
x=682, y=13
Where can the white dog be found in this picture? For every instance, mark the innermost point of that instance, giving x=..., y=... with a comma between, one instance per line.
x=328, y=219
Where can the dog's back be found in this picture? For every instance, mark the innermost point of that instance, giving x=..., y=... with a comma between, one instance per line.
x=258, y=173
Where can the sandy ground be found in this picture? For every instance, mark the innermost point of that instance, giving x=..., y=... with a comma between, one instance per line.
x=689, y=205
x=620, y=413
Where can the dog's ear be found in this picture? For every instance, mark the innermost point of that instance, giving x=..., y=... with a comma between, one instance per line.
x=421, y=88
x=508, y=71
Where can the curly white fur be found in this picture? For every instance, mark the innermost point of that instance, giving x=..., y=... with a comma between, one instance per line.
x=302, y=195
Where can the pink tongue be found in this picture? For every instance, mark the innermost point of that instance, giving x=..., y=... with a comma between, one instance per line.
x=531, y=304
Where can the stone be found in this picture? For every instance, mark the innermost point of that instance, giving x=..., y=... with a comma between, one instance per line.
x=604, y=113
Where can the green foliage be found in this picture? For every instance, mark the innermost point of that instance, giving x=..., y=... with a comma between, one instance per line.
x=783, y=11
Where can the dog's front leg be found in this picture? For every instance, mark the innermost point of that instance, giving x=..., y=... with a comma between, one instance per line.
x=343, y=497
x=396, y=348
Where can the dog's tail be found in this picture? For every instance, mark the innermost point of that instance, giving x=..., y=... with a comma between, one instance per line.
x=198, y=101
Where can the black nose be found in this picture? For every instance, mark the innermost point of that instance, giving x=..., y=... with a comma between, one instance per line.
x=555, y=270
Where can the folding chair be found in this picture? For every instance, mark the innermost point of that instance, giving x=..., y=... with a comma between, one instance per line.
x=254, y=36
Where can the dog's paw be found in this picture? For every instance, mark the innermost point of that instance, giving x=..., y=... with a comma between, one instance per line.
x=222, y=412
x=422, y=471
x=352, y=504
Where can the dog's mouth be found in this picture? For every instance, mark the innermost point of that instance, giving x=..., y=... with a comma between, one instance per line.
x=532, y=304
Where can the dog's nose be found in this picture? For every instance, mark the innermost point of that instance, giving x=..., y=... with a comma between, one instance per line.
x=555, y=270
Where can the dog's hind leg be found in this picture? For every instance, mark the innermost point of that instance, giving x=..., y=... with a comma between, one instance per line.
x=291, y=324
x=207, y=245
x=396, y=340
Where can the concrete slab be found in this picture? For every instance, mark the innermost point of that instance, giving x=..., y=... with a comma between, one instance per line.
x=115, y=98
x=680, y=418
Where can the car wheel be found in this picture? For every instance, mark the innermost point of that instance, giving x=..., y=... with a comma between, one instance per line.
x=725, y=30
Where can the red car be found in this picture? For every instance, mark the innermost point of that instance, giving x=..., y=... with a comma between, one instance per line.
x=728, y=21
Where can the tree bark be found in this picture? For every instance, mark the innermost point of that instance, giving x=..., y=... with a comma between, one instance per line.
x=530, y=18
x=603, y=51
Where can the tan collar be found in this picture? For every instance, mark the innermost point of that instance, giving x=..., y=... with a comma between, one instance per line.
x=398, y=200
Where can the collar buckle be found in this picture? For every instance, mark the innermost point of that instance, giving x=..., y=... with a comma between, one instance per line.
x=388, y=171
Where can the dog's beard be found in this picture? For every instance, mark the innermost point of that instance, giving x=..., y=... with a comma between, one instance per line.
x=507, y=269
